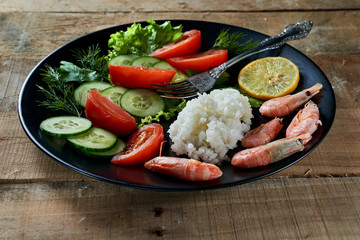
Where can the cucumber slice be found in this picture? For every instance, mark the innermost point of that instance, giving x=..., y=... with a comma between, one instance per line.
x=163, y=65
x=123, y=59
x=142, y=102
x=65, y=126
x=179, y=77
x=114, y=93
x=119, y=147
x=83, y=90
x=145, y=61
x=95, y=140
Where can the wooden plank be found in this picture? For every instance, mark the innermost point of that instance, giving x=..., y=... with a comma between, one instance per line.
x=35, y=35
x=173, y=6
x=325, y=208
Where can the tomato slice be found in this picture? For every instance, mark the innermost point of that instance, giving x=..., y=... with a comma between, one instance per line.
x=139, y=77
x=142, y=145
x=189, y=43
x=199, y=61
x=104, y=113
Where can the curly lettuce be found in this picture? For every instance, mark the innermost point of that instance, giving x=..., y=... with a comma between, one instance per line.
x=143, y=40
x=172, y=108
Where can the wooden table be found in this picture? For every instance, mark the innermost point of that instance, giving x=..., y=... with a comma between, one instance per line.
x=317, y=198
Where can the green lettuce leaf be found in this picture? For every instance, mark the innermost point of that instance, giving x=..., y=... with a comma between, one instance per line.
x=172, y=108
x=143, y=40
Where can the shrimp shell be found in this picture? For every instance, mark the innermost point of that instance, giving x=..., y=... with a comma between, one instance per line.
x=268, y=153
x=263, y=134
x=183, y=168
x=283, y=106
x=306, y=121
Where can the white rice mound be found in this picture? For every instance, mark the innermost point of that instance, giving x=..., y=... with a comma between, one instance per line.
x=210, y=125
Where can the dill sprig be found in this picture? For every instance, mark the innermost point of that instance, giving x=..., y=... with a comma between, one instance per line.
x=91, y=59
x=232, y=42
x=59, y=93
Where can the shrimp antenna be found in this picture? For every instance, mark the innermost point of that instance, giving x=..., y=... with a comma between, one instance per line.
x=161, y=147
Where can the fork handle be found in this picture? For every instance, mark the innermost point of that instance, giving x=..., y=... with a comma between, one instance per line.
x=291, y=32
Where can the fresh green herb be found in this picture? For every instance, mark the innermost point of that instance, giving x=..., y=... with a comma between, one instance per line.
x=232, y=42
x=91, y=59
x=172, y=107
x=59, y=93
x=60, y=82
x=69, y=72
x=143, y=40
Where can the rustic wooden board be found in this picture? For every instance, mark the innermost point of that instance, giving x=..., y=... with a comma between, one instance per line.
x=317, y=198
x=35, y=35
x=267, y=209
x=171, y=6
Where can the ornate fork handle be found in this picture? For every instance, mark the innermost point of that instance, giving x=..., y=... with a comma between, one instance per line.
x=291, y=32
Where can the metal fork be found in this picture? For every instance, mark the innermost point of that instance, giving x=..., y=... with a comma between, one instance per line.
x=204, y=81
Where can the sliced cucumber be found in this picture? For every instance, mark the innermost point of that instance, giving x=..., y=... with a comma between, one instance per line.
x=123, y=59
x=95, y=140
x=83, y=90
x=163, y=65
x=65, y=126
x=179, y=77
x=119, y=147
x=114, y=93
x=142, y=102
x=145, y=61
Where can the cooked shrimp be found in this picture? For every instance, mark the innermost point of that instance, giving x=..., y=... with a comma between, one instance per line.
x=183, y=168
x=283, y=106
x=263, y=134
x=306, y=121
x=268, y=153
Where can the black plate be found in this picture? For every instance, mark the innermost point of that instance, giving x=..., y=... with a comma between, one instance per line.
x=31, y=115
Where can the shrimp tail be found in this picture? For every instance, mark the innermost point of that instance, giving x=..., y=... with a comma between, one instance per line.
x=183, y=168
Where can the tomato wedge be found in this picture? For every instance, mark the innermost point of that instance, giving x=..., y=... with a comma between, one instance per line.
x=142, y=145
x=104, y=113
x=139, y=77
x=199, y=61
x=189, y=43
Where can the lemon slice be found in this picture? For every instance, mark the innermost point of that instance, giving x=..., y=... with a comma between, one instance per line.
x=269, y=77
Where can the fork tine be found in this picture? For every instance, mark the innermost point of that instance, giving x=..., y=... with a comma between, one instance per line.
x=180, y=92
x=180, y=88
x=179, y=97
x=184, y=83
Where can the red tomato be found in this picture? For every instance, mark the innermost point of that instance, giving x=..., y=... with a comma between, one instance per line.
x=142, y=145
x=189, y=43
x=104, y=113
x=199, y=61
x=139, y=77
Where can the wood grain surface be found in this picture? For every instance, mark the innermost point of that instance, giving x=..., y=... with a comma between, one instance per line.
x=317, y=198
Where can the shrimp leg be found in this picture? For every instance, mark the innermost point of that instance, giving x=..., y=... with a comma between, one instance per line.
x=268, y=153
x=283, y=106
x=306, y=121
x=183, y=168
x=263, y=134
